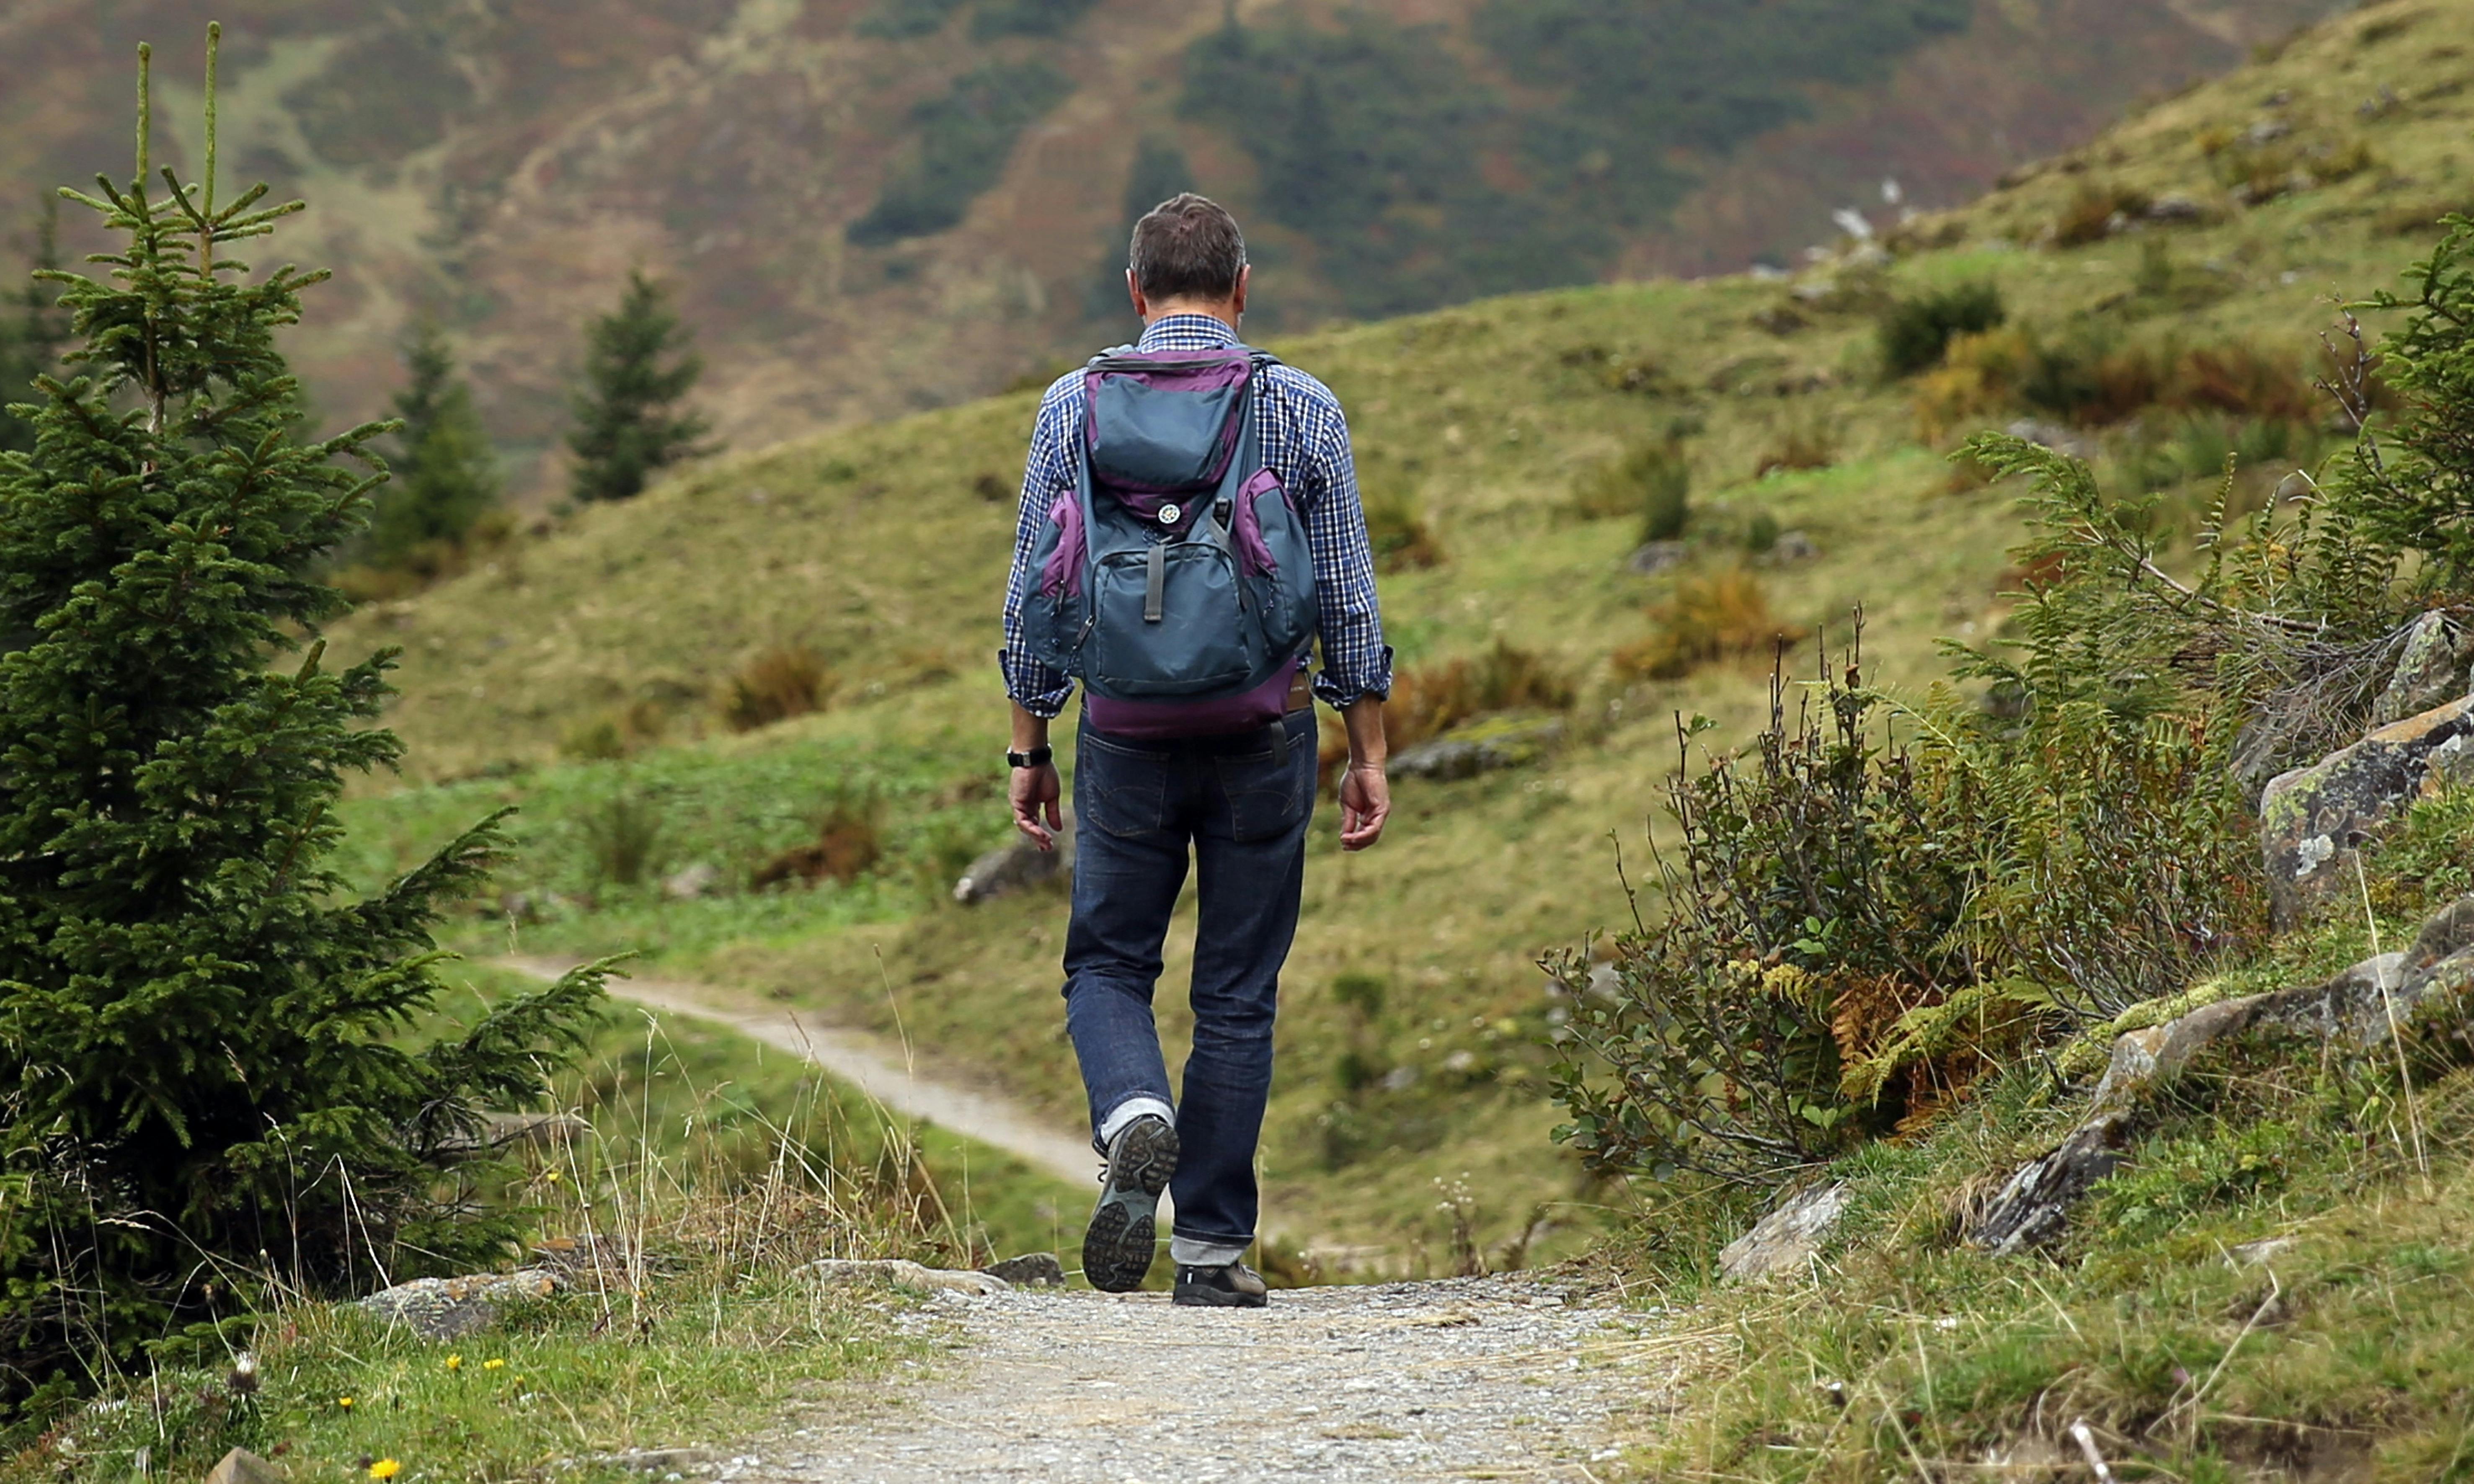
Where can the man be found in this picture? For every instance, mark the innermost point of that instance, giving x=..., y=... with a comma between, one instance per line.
x=1239, y=801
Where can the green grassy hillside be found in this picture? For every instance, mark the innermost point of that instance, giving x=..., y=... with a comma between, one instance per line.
x=2207, y=235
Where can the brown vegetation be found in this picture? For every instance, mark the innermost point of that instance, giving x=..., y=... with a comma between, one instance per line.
x=785, y=681
x=1710, y=617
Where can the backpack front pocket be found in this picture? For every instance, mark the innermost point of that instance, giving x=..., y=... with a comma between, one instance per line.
x=1171, y=621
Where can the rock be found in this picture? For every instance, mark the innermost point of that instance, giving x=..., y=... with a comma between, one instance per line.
x=2034, y=1205
x=906, y=1273
x=447, y=1308
x=2312, y=820
x=1784, y=1243
x=1790, y=547
x=662, y=1460
x=697, y=880
x=2353, y=1013
x=2430, y=671
x=2050, y=435
x=1656, y=556
x=1017, y=866
x=2174, y=209
x=240, y=1466
x=1480, y=747
x=1041, y=1269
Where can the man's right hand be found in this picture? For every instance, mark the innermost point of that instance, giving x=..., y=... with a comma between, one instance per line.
x=1034, y=793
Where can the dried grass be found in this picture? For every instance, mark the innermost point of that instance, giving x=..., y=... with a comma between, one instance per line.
x=785, y=681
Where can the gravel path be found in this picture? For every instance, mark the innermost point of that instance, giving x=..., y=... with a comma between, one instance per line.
x=1465, y=1379
x=875, y=1068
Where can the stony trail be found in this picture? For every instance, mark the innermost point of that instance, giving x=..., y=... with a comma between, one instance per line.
x=1496, y=1378
x=877, y=1069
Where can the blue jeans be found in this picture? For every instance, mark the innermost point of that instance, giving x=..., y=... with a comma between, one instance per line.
x=1241, y=803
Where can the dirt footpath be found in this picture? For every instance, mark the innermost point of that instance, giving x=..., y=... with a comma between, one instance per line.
x=1465, y=1379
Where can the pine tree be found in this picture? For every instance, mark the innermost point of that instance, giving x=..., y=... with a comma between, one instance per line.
x=445, y=473
x=31, y=335
x=209, y=1077
x=636, y=370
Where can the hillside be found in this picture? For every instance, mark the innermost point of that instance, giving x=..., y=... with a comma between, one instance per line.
x=879, y=550
x=875, y=206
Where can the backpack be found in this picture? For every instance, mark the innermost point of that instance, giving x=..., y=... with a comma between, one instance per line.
x=1174, y=579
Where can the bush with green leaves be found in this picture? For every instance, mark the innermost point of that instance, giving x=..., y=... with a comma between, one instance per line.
x=1857, y=928
x=1913, y=332
x=208, y=1084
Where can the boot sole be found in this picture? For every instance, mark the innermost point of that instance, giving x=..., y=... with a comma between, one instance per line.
x=1123, y=1238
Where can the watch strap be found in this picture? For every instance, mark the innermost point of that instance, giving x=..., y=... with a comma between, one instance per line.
x=1036, y=757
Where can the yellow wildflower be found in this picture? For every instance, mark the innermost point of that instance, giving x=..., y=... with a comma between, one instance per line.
x=455, y=1362
x=345, y=1402
x=551, y=1175
x=494, y=1364
x=386, y=1469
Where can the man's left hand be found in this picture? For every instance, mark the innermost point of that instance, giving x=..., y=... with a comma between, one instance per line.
x=1364, y=803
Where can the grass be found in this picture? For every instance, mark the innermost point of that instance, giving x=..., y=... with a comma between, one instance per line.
x=713, y=1172
x=872, y=548
x=561, y=1386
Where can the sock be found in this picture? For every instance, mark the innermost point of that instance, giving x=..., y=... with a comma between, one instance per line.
x=1194, y=1253
x=1139, y=1106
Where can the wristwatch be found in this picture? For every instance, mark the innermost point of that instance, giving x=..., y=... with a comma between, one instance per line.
x=1036, y=757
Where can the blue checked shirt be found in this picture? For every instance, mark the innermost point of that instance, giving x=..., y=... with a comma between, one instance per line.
x=1305, y=442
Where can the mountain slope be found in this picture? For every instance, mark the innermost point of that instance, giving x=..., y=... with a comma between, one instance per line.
x=874, y=206
x=881, y=548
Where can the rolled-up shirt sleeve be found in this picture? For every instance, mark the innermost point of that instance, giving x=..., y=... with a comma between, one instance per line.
x=1048, y=471
x=1356, y=662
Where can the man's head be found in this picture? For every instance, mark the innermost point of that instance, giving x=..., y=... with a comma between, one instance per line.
x=1188, y=257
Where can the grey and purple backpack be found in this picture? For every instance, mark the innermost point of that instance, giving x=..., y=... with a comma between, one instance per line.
x=1174, y=579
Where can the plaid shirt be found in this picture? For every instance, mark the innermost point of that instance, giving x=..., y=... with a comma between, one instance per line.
x=1305, y=442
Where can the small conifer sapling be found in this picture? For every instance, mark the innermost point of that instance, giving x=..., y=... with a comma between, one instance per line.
x=210, y=1076
x=445, y=474
x=630, y=422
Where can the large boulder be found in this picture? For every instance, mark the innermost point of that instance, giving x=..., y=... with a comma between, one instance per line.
x=2430, y=671
x=2357, y=1011
x=1017, y=866
x=2313, y=820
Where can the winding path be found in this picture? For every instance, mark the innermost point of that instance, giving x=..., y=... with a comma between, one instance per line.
x=866, y=1062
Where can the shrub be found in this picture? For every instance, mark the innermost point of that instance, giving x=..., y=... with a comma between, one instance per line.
x=1914, y=333
x=1652, y=481
x=1802, y=443
x=623, y=839
x=1397, y=530
x=2095, y=213
x=1710, y=617
x=1857, y=931
x=849, y=840
x=785, y=681
x=1428, y=702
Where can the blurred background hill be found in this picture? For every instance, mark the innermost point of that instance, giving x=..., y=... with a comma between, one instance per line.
x=882, y=205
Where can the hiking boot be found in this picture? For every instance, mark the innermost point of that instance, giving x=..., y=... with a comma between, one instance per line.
x=1233, y=1286
x=1117, y=1246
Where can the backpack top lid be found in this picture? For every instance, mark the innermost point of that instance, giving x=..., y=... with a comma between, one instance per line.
x=1164, y=424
